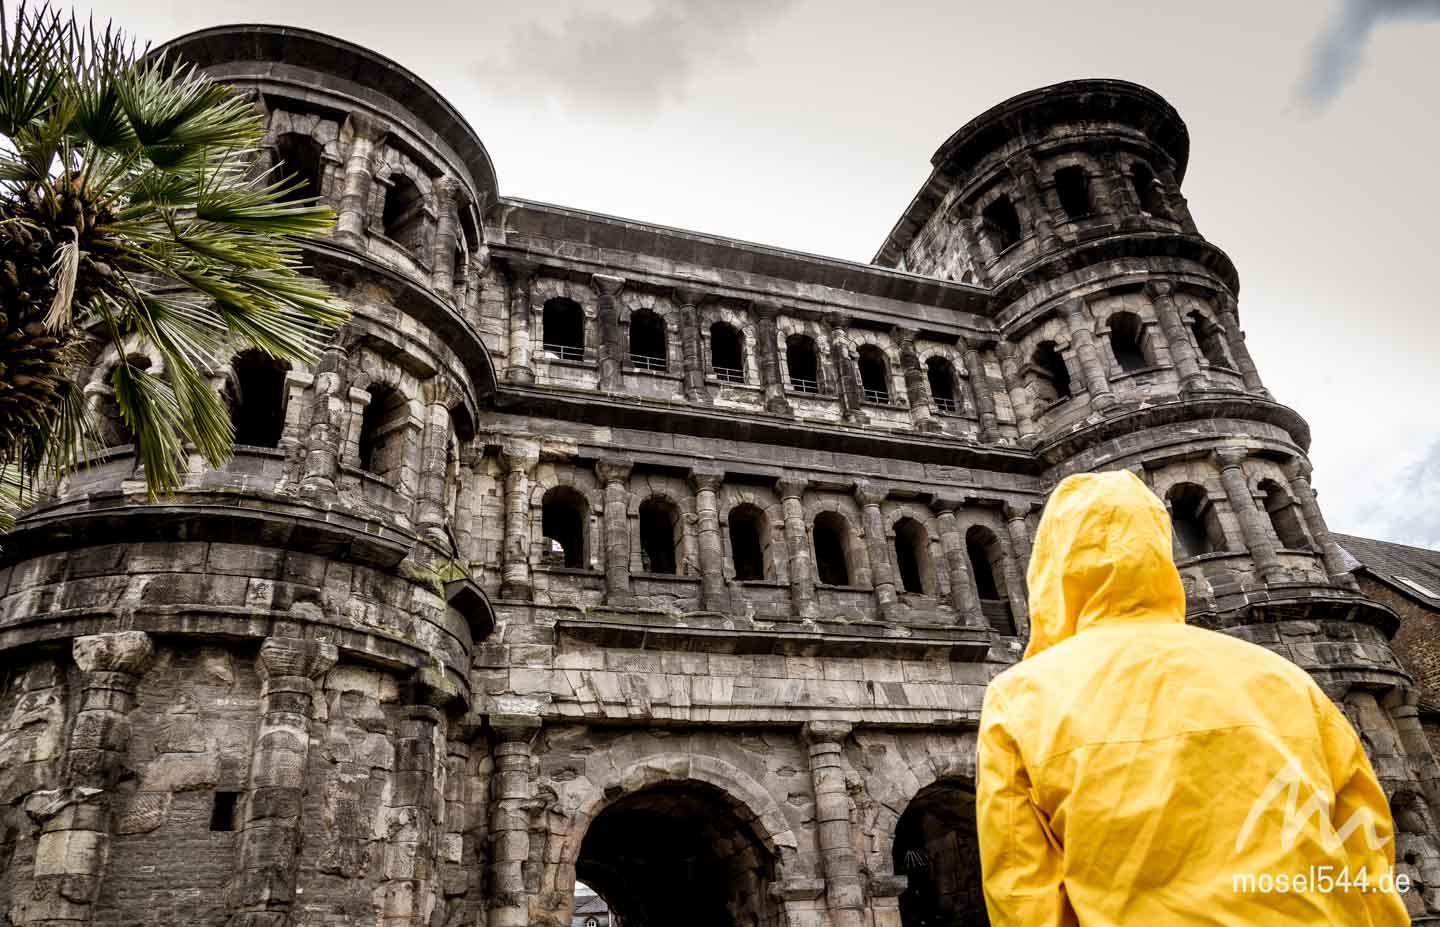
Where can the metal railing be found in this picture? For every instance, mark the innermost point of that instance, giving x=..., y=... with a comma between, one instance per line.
x=648, y=362
x=567, y=352
x=948, y=406
x=802, y=385
x=729, y=374
x=877, y=396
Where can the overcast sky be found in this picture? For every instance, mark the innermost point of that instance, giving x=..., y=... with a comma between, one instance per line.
x=809, y=124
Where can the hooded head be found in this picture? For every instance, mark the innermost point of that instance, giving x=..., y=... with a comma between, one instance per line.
x=1102, y=555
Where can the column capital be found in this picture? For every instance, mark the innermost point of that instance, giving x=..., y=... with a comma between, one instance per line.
x=978, y=343
x=838, y=321
x=946, y=505
x=764, y=309
x=706, y=480
x=1074, y=310
x=514, y=727
x=905, y=336
x=1017, y=510
x=688, y=296
x=1298, y=468
x=446, y=190
x=520, y=271
x=791, y=487
x=826, y=732
x=519, y=454
x=613, y=469
x=868, y=494
x=126, y=652
x=607, y=284
x=429, y=687
x=1230, y=458
x=294, y=656
x=1159, y=289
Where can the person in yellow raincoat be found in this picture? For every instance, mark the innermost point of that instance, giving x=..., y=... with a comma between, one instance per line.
x=1137, y=771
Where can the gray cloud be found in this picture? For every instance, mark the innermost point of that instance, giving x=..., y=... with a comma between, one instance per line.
x=1340, y=49
x=1404, y=507
x=638, y=64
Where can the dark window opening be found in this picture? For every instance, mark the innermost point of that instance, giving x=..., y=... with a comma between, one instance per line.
x=727, y=353
x=222, y=812
x=983, y=550
x=1210, y=338
x=403, y=218
x=937, y=850
x=1147, y=188
x=942, y=384
x=831, y=538
x=380, y=437
x=457, y=267
x=256, y=396
x=1073, y=188
x=562, y=329
x=1285, y=517
x=647, y=341
x=299, y=160
x=874, y=375
x=1196, y=526
x=562, y=522
x=1127, y=341
x=1003, y=221
x=658, y=536
x=1052, y=377
x=747, y=549
x=801, y=363
x=912, y=557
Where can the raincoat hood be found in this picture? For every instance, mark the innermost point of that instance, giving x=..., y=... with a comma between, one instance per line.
x=1102, y=554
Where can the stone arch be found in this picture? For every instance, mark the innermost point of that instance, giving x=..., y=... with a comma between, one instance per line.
x=930, y=558
x=324, y=132
x=846, y=523
x=549, y=477
x=771, y=528
x=904, y=775
x=646, y=508
x=788, y=327
x=99, y=389
x=713, y=313
x=256, y=395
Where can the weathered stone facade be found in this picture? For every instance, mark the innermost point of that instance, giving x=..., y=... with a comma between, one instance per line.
x=599, y=549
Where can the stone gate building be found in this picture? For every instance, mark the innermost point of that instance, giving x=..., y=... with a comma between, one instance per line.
x=673, y=563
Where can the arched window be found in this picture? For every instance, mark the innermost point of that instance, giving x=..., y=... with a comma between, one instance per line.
x=1147, y=188
x=1050, y=376
x=1285, y=517
x=802, y=364
x=256, y=396
x=987, y=568
x=832, y=549
x=563, y=517
x=748, y=536
x=1211, y=340
x=647, y=340
x=404, y=216
x=382, y=432
x=1127, y=341
x=727, y=353
x=942, y=384
x=299, y=161
x=659, y=536
x=562, y=329
x=1196, y=524
x=912, y=557
x=874, y=375
x=1073, y=188
x=1003, y=223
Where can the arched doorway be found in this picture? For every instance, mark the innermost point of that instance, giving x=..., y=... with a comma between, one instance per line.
x=679, y=853
x=937, y=849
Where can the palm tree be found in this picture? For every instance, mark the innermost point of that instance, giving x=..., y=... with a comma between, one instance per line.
x=132, y=213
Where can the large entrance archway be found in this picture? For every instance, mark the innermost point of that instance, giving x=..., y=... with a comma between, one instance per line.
x=937, y=848
x=679, y=853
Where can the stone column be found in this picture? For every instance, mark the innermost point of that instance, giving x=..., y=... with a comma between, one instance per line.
x=984, y=397
x=1177, y=339
x=1402, y=704
x=271, y=832
x=518, y=457
x=1298, y=470
x=1122, y=195
x=1254, y=525
x=706, y=483
x=611, y=351
x=844, y=893
x=510, y=792
x=1022, y=166
x=689, y=302
x=329, y=412
x=882, y=573
x=972, y=228
x=74, y=845
x=352, y=216
x=1235, y=339
x=766, y=338
x=454, y=873
x=1092, y=368
x=963, y=597
x=613, y=473
x=468, y=474
x=917, y=386
x=430, y=508
x=797, y=547
x=442, y=262
x=521, y=275
x=1015, y=588
x=1019, y=528
x=1022, y=401
x=847, y=376
x=1175, y=200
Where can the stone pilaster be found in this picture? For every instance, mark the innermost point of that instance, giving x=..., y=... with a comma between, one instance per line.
x=454, y=874
x=1254, y=525
x=611, y=349
x=766, y=337
x=797, y=548
x=1092, y=368
x=1177, y=339
x=706, y=485
x=1022, y=401
x=1298, y=471
x=1015, y=587
x=1175, y=200
x=847, y=375
x=430, y=508
x=689, y=302
x=353, y=214
x=467, y=474
x=521, y=276
x=73, y=850
x=1228, y=315
x=510, y=793
x=844, y=892
x=613, y=472
x=1022, y=166
x=1403, y=706
x=329, y=413
x=263, y=891
x=1016, y=524
x=442, y=262
x=882, y=573
x=982, y=390
x=518, y=458
x=963, y=597
x=1122, y=196
x=983, y=254
x=917, y=386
